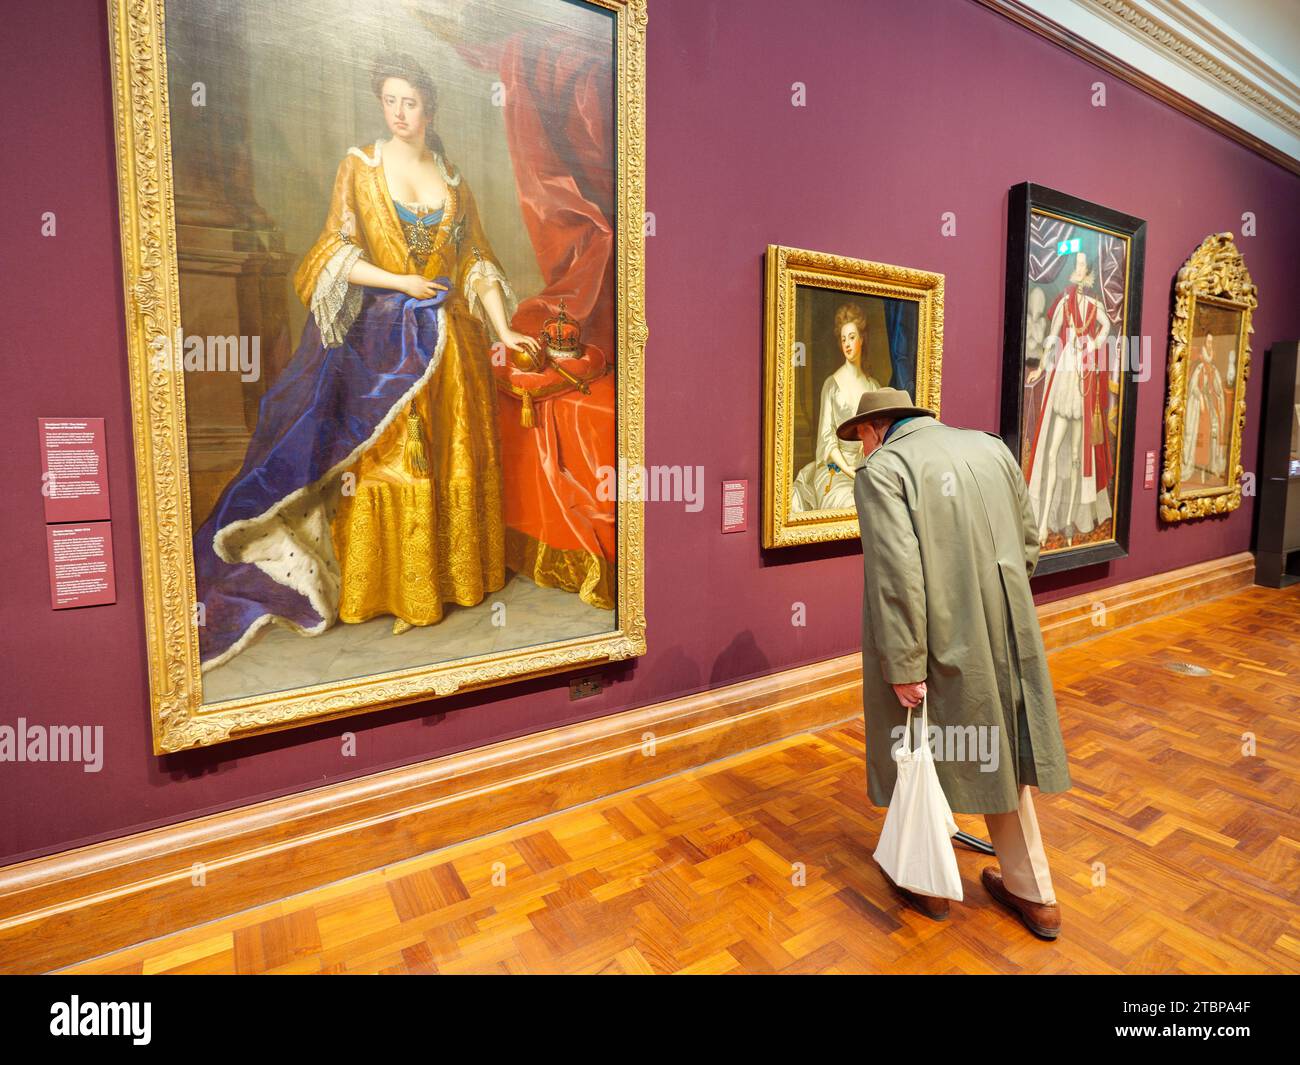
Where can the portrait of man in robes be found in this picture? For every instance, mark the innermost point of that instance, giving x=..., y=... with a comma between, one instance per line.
x=1073, y=359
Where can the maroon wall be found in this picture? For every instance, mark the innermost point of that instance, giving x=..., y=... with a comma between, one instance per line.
x=913, y=109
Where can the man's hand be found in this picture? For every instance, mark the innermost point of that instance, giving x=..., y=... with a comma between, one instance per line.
x=910, y=694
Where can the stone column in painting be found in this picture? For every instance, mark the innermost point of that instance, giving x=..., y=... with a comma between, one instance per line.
x=234, y=272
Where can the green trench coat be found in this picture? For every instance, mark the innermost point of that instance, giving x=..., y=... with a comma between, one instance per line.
x=949, y=542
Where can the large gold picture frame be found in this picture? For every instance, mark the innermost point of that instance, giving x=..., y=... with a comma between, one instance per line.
x=794, y=348
x=181, y=719
x=1205, y=412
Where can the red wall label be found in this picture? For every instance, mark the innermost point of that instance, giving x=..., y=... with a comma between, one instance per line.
x=74, y=475
x=1149, y=481
x=735, y=508
x=81, y=564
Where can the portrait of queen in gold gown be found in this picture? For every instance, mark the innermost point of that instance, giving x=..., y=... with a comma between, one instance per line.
x=434, y=467
x=403, y=288
x=375, y=484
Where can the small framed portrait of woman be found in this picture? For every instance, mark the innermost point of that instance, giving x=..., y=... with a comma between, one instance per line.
x=386, y=324
x=1071, y=362
x=836, y=328
x=1209, y=360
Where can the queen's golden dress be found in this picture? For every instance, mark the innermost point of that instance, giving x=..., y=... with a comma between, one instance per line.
x=419, y=521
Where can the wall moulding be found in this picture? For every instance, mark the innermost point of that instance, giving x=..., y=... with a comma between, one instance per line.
x=1179, y=53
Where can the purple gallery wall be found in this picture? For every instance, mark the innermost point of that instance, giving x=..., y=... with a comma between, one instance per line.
x=912, y=109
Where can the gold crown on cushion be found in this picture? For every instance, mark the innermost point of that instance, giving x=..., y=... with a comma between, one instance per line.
x=561, y=333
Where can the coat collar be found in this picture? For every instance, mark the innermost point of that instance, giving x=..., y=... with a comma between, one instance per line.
x=918, y=422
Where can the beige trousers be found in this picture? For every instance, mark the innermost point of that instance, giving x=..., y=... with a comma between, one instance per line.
x=1020, y=853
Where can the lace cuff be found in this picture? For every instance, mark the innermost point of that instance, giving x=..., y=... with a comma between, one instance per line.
x=486, y=270
x=335, y=303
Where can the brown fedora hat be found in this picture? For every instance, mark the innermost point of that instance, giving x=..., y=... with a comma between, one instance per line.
x=893, y=401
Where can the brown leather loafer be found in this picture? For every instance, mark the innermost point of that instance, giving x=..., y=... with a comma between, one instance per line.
x=1040, y=918
x=934, y=908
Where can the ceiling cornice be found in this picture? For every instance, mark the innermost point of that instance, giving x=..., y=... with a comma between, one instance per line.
x=1186, y=31
x=1181, y=53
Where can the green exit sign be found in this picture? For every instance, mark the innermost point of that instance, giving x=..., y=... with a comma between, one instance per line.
x=1065, y=247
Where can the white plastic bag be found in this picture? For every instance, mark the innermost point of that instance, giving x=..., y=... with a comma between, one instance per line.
x=915, y=846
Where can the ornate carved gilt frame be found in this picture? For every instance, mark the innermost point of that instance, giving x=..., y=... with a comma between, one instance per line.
x=787, y=268
x=1214, y=274
x=150, y=282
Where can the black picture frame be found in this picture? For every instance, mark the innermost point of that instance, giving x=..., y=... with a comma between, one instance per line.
x=1026, y=199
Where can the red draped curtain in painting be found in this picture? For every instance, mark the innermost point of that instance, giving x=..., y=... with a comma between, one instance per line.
x=559, y=117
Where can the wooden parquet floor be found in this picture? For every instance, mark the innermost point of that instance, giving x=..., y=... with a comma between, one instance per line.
x=1173, y=852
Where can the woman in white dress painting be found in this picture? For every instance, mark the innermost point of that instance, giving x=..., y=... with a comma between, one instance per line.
x=826, y=483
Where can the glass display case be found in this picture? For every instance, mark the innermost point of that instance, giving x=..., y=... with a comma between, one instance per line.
x=1277, y=533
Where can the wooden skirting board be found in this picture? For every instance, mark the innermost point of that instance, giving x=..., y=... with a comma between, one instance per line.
x=1090, y=52
x=1081, y=617
x=85, y=902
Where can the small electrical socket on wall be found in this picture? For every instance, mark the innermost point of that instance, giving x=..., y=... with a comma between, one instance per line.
x=582, y=687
